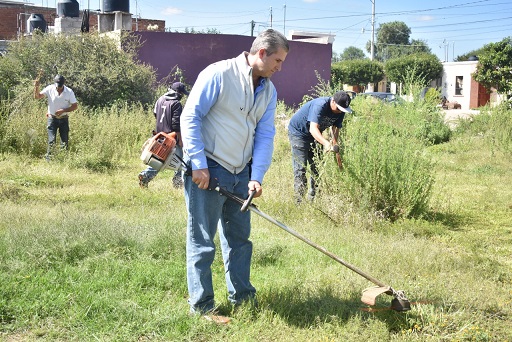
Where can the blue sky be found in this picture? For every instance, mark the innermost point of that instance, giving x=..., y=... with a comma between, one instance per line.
x=449, y=27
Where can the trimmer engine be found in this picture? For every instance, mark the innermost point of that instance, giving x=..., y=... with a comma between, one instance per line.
x=159, y=152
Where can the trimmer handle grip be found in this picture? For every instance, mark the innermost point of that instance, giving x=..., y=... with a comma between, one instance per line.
x=247, y=202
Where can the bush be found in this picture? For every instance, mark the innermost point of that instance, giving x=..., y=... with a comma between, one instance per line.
x=419, y=66
x=94, y=67
x=358, y=72
x=386, y=172
x=423, y=121
x=495, y=125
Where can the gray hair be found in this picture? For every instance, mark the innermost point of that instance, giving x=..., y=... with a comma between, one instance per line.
x=270, y=40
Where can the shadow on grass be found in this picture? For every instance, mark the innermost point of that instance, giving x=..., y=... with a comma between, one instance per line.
x=450, y=220
x=303, y=310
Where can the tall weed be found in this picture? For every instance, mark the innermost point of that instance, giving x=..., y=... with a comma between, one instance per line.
x=385, y=168
x=110, y=136
x=23, y=124
x=388, y=174
x=494, y=125
x=423, y=121
x=100, y=139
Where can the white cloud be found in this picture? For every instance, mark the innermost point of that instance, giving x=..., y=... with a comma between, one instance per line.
x=426, y=18
x=172, y=11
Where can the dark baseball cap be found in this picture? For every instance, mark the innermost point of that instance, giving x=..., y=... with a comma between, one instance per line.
x=59, y=80
x=179, y=87
x=342, y=100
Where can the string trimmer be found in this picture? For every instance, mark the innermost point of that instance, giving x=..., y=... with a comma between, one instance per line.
x=399, y=301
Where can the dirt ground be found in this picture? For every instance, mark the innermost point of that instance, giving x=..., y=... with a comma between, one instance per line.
x=452, y=116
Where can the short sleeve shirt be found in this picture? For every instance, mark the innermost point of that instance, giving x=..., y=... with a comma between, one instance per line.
x=318, y=111
x=56, y=101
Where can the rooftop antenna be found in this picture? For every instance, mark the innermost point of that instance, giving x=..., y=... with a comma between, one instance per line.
x=284, y=21
x=270, y=16
x=136, y=17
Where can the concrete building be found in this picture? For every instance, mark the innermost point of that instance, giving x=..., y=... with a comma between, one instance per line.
x=458, y=86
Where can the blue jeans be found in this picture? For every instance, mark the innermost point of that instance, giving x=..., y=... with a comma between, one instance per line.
x=303, y=154
x=208, y=211
x=62, y=125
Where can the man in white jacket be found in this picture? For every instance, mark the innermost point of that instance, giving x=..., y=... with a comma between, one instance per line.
x=228, y=130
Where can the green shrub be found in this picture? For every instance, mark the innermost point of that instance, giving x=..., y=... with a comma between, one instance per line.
x=422, y=120
x=433, y=96
x=495, y=125
x=94, y=67
x=115, y=134
x=358, y=71
x=385, y=172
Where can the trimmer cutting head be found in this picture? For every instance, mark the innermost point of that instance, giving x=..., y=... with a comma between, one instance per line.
x=399, y=302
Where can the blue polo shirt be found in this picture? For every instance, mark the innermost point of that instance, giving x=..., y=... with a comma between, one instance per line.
x=318, y=111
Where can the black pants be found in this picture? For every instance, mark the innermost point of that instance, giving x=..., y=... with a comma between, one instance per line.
x=54, y=125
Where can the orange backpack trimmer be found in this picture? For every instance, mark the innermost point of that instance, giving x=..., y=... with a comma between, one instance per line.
x=159, y=152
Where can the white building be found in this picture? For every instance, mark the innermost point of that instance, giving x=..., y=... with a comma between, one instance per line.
x=458, y=86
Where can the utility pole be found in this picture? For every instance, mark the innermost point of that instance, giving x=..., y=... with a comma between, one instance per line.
x=252, y=27
x=270, y=16
x=372, y=48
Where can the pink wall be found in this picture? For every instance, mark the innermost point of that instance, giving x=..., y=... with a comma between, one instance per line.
x=193, y=52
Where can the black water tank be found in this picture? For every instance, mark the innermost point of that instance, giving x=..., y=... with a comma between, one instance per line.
x=116, y=5
x=36, y=21
x=68, y=8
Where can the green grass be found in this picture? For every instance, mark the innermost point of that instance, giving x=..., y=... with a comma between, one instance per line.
x=87, y=255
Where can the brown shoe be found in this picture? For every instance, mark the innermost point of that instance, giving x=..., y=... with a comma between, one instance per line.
x=143, y=182
x=217, y=319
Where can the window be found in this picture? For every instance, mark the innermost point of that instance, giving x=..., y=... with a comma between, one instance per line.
x=458, y=85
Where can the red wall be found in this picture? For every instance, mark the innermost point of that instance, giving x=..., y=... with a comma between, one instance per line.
x=193, y=52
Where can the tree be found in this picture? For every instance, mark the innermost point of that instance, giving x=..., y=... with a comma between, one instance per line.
x=352, y=53
x=204, y=31
x=421, y=68
x=467, y=55
x=335, y=57
x=418, y=46
x=393, y=41
x=357, y=72
x=494, y=67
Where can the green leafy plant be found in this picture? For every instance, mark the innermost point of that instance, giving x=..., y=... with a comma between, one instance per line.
x=385, y=171
x=95, y=67
x=494, y=66
x=358, y=72
x=420, y=66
